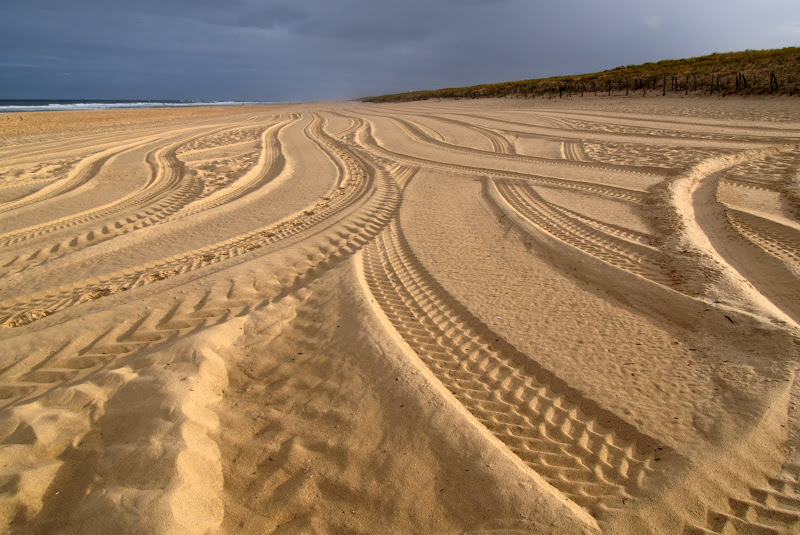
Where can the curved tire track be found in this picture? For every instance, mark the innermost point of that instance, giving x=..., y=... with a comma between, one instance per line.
x=613, y=245
x=148, y=192
x=593, y=457
x=778, y=240
x=357, y=184
x=614, y=192
x=170, y=195
x=415, y=132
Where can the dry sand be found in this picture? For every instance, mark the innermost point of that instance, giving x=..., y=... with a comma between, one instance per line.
x=485, y=317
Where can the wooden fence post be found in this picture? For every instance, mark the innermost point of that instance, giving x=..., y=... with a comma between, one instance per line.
x=664, y=86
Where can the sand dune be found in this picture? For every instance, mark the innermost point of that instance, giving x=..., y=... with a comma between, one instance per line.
x=508, y=316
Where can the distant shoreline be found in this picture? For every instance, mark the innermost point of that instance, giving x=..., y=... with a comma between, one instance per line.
x=27, y=105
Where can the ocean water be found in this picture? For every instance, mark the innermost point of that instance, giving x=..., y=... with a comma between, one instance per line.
x=56, y=105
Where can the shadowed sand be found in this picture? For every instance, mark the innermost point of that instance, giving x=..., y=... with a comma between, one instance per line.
x=497, y=316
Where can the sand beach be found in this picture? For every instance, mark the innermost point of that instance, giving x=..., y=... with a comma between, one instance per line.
x=511, y=316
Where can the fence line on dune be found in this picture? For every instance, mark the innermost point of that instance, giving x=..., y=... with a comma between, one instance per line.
x=752, y=82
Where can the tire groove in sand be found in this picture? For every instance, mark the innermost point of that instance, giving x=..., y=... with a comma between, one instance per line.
x=500, y=144
x=86, y=170
x=573, y=151
x=703, y=224
x=83, y=173
x=607, y=243
x=134, y=201
x=622, y=135
x=184, y=201
x=778, y=240
x=415, y=132
x=104, y=368
x=773, y=509
x=167, y=193
x=596, y=459
x=770, y=510
x=651, y=120
x=613, y=192
x=338, y=242
x=753, y=184
x=359, y=183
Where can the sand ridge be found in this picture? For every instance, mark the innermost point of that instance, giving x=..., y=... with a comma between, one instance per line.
x=499, y=316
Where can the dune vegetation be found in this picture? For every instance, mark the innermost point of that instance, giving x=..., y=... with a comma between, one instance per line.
x=750, y=72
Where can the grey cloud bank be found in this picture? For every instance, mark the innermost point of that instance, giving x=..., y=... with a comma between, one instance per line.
x=314, y=50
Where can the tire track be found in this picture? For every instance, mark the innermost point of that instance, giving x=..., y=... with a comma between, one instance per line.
x=605, y=127
x=145, y=195
x=165, y=193
x=351, y=129
x=271, y=163
x=623, y=137
x=619, y=247
x=335, y=242
x=499, y=143
x=200, y=155
x=616, y=231
x=66, y=367
x=573, y=151
x=232, y=137
x=675, y=158
x=773, y=509
x=748, y=494
x=753, y=184
x=78, y=390
x=655, y=128
x=83, y=173
x=34, y=152
x=778, y=240
x=614, y=192
x=357, y=185
x=596, y=459
x=31, y=182
x=39, y=174
x=403, y=175
x=415, y=132
x=155, y=205
x=704, y=228
x=692, y=122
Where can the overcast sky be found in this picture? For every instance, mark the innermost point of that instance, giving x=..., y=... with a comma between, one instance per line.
x=269, y=50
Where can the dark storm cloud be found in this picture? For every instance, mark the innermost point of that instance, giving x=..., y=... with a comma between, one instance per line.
x=313, y=49
x=270, y=17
